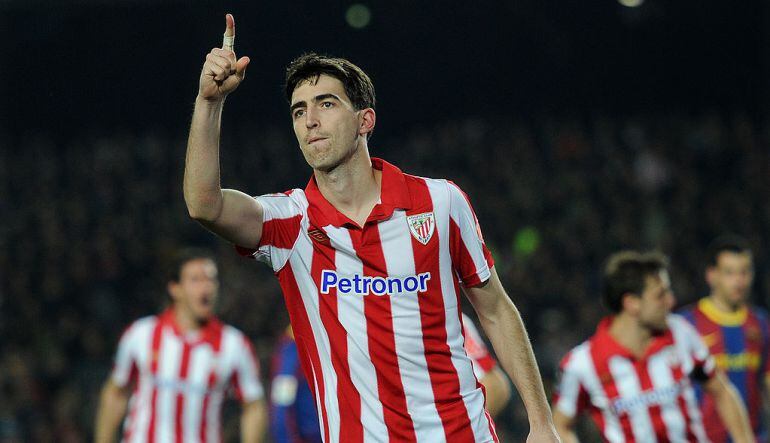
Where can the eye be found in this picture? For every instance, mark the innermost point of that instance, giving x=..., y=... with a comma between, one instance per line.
x=298, y=113
x=327, y=104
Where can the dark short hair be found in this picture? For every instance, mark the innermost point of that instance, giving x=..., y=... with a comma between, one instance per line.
x=727, y=243
x=358, y=86
x=626, y=272
x=182, y=257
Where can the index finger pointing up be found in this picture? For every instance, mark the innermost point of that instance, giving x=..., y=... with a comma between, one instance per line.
x=228, y=41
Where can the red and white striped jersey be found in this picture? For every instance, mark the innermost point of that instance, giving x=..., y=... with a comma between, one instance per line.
x=375, y=308
x=482, y=359
x=180, y=381
x=632, y=399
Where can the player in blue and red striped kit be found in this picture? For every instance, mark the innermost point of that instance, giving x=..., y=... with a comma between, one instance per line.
x=735, y=332
x=293, y=416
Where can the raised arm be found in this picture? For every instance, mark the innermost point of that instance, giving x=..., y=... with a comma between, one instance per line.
x=503, y=325
x=229, y=213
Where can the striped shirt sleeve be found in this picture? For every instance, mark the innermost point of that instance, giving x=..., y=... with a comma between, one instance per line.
x=281, y=223
x=246, y=381
x=704, y=365
x=471, y=259
x=125, y=367
x=570, y=396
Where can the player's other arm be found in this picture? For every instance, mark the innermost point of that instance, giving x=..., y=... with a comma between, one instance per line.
x=112, y=408
x=503, y=325
x=565, y=426
x=730, y=408
x=498, y=390
x=231, y=214
x=253, y=421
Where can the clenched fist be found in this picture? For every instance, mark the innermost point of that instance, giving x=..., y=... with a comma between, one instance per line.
x=222, y=72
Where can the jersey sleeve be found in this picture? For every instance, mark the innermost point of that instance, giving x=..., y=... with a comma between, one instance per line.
x=570, y=395
x=482, y=359
x=125, y=366
x=471, y=259
x=704, y=365
x=246, y=381
x=281, y=224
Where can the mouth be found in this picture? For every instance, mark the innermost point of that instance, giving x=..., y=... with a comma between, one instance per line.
x=312, y=140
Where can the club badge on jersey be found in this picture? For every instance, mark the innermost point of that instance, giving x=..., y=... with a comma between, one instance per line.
x=421, y=226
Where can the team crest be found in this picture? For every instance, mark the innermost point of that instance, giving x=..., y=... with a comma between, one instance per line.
x=421, y=226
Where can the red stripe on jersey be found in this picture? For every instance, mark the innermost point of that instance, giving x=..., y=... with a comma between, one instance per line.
x=382, y=342
x=678, y=374
x=137, y=389
x=443, y=375
x=157, y=334
x=348, y=398
x=281, y=232
x=183, y=369
x=216, y=342
x=303, y=335
x=601, y=365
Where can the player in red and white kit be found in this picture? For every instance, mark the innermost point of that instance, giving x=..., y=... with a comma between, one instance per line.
x=497, y=388
x=178, y=367
x=635, y=375
x=372, y=263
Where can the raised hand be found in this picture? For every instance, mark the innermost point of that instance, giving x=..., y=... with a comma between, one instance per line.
x=222, y=72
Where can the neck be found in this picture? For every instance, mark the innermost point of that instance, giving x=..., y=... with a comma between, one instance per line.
x=353, y=187
x=186, y=321
x=627, y=331
x=723, y=305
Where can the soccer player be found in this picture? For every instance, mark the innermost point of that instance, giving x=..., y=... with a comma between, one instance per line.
x=635, y=374
x=293, y=417
x=735, y=332
x=370, y=262
x=181, y=365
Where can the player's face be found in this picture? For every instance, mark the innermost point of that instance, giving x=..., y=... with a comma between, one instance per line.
x=196, y=291
x=731, y=278
x=656, y=302
x=325, y=122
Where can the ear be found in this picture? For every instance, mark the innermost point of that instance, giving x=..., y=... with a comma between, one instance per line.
x=368, y=120
x=630, y=302
x=710, y=275
x=173, y=289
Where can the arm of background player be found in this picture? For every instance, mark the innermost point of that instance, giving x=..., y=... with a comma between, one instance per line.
x=565, y=426
x=231, y=214
x=253, y=422
x=498, y=390
x=112, y=408
x=503, y=325
x=730, y=407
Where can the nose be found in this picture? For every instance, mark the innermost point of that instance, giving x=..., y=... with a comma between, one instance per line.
x=670, y=300
x=311, y=120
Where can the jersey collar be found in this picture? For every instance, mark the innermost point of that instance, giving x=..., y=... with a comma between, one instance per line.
x=209, y=333
x=722, y=318
x=394, y=193
x=608, y=346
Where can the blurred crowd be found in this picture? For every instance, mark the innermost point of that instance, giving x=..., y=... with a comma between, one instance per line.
x=90, y=222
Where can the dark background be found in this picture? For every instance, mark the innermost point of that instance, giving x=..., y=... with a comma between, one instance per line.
x=577, y=128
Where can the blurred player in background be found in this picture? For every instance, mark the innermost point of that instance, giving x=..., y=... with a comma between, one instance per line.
x=635, y=374
x=368, y=259
x=177, y=368
x=293, y=416
x=735, y=332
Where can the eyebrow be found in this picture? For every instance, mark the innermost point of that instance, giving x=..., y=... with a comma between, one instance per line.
x=316, y=99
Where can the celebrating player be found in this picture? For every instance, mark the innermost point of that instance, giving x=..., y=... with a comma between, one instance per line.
x=635, y=374
x=369, y=260
x=293, y=416
x=735, y=332
x=181, y=364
